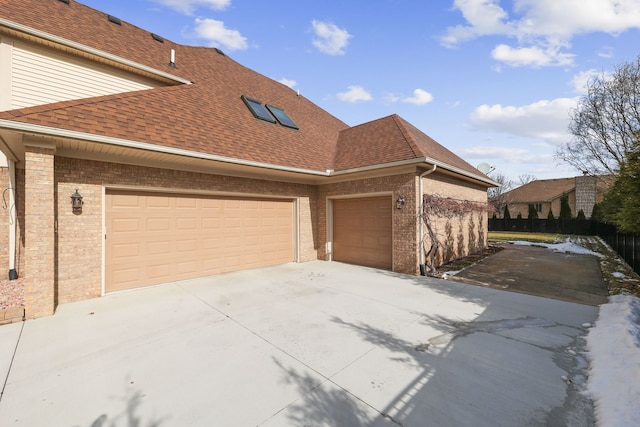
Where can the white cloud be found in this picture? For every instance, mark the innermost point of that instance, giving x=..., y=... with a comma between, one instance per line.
x=391, y=98
x=329, y=38
x=217, y=35
x=546, y=120
x=188, y=7
x=288, y=82
x=567, y=18
x=580, y=80
x=485, y=17
x=420, y=97
x=541, y=27
x=533, y=56
x=506, y=154
x=355, y=94
x=606, y=52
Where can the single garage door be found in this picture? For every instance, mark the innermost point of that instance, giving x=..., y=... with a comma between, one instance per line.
x=154, y=238
x=362, y=231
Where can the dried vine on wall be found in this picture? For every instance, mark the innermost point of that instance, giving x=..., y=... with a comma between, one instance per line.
x=436, y=207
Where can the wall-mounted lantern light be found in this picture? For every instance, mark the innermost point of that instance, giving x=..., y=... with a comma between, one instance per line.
x=400, y=202
x=76, y=202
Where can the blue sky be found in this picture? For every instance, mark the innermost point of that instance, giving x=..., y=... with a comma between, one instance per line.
x=491, y=80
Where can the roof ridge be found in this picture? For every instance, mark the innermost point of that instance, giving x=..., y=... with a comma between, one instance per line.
x=399, y=121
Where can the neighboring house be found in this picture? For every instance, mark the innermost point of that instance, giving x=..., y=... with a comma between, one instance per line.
x=583, y=192
x=190, y=164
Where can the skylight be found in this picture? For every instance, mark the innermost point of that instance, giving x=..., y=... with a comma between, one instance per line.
x=282, y=117
x=115, y=20
x=258, y=110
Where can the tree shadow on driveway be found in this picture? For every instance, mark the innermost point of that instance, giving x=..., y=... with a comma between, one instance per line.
x=518, y=362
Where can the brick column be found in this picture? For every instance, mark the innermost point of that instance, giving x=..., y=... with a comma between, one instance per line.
x=39, y=230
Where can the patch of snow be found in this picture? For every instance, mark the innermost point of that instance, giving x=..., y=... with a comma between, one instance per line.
x=613, y=346
x=525, y=243
x=619, y=275
x=448, y=274
x=564, y=247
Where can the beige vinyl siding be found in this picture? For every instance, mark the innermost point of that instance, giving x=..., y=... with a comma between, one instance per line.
x=40, y=76
x=6, y=48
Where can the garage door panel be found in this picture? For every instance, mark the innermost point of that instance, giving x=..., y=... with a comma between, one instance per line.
x=125, y=224
x=124, y=276
x=155, y=238
x=187, y=223
x=125, y=250
x=158, y=247
x=362, y=231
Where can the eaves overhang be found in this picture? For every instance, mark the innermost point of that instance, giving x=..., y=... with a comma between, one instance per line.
x=419, y=161
x=20, y=28
x=458, y=171
x=210, y=163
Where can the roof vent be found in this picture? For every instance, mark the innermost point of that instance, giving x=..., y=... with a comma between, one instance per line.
x=172, y=64
x=114, y=20
x=64, y=1
x=219, y=51
x=157, y=38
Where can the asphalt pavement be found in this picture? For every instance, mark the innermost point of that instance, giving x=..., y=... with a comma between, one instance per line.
x=540, y=271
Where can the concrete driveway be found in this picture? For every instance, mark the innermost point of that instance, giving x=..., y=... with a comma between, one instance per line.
x=314, y=344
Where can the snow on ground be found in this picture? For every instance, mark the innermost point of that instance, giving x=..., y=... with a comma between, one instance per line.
x=613, y=346
x=563, y=247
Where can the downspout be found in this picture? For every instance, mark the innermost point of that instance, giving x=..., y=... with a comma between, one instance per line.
x=423, y=268
x=13, y=220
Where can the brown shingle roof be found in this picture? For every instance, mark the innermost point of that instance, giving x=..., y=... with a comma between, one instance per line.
x=543, y=190
x=390, y=139
x=90, y=27
x=209, y=116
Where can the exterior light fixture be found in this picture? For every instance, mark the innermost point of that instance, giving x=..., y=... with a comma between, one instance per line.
x=76, y=202
x=400, y=202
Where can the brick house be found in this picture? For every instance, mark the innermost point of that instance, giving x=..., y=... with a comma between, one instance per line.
x=583, y=192
x=190, y=164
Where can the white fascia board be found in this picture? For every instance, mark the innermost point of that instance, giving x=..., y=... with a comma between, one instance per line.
x=416, y=161
x=90, y=50
x=461, y=171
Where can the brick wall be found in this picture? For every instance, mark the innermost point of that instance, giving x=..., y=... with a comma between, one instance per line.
x=405, y=237
x=76, y=241
x=79, y=237
x=39, y=236
x=458, y=235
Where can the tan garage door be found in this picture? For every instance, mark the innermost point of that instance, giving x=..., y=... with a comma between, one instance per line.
x=362, y=230
x=157, y=238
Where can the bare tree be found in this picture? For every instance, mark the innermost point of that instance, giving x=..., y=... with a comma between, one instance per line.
x=606, y=122
x=497, y=195
x=526, y=178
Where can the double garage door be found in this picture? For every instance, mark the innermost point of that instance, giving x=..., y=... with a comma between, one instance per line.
x=154, y=238
x=362, y=231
